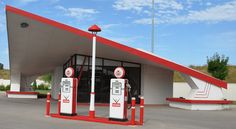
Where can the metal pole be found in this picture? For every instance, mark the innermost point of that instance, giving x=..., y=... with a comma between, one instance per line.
x=48, y=105
x=92, y=94
x=153, y=26
x=133, y=101
x=141, y=110
x=59, y=104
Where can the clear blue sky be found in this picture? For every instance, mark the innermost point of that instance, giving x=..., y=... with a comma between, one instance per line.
x=187, y=31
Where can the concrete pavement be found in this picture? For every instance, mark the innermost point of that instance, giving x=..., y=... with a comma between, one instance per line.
x=29, y=114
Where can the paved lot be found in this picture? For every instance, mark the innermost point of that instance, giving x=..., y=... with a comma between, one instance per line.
x=29, y=114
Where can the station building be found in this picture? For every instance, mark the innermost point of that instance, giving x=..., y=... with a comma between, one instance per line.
x=38, y=45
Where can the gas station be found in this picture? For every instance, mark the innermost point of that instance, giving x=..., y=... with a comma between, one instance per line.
x=87, y=68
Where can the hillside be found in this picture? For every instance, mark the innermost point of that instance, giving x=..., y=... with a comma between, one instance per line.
x=4, y=74
x=231, y=78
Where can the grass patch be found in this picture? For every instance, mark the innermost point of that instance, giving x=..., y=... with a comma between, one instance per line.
x=44, y=92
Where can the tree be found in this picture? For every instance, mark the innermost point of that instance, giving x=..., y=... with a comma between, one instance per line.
x=217, y=66
x=34, y=85
x=46, y=78
x=1, y=66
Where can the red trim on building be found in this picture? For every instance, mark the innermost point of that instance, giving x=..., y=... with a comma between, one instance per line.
x=141, y=54
x=22, y=93
x=199, y=101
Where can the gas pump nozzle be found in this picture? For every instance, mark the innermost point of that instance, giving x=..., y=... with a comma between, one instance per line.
x=128, y=86
x=129, y=92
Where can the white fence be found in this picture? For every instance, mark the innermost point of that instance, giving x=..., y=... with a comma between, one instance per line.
x=182, y=89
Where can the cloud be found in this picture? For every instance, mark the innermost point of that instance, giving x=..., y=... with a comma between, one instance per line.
x=163, y=9
x=2, y=26
x=219, y=13
x=78, y=13
x=27, y=1
x=2, y=21
x=126, y=40
x=108, y=26
x=208, y=3
x=212, y=14
x=30, y=1
x=144, y=21
x=139, y=5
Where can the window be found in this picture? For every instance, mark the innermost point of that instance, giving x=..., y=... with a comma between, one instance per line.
x=104, y=72
x=112, y=63
x=98, y=61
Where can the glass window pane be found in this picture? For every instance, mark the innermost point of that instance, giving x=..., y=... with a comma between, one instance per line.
x=130, y=65
x=98, y=61
x=73, y=60
x=112, y=63
x=80, y=60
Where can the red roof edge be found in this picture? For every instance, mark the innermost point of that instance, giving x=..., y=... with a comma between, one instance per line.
x=141, y=54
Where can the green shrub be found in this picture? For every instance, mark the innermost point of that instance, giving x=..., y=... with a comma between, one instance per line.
x=1, y=66
x=217, y=66
x=46, y=87
x=43, y=87
x=2, y=88
x=7, y=87
x=40, y=87
x=34, y=87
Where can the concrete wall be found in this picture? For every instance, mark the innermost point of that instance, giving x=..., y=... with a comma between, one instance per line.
x=56, y=79
x=230, y=93
x=182, y=89
x=15, y=81
x=157, y=84
x=25, y=84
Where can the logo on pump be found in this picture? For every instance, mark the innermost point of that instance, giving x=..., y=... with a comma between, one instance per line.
x=119, y=72
x=66, y=99
x=116, y=104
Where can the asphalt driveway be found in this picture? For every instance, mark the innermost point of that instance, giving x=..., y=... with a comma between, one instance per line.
x=29, y=114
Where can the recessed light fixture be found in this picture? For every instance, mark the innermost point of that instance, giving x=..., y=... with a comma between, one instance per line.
x=24, y=25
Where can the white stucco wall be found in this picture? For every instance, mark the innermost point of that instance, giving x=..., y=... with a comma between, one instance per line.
x=56, y=79
x=26, y=81
x=15, y=81
x=4, y=82
x=157, y=84
x=181, y=89
x=230, y=93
